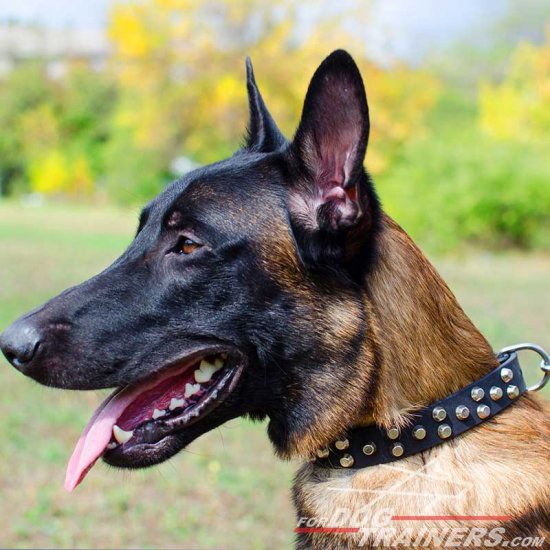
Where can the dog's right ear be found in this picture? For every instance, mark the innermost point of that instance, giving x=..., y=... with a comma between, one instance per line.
x=263, y=135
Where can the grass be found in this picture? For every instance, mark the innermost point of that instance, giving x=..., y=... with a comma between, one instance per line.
x=227, y=490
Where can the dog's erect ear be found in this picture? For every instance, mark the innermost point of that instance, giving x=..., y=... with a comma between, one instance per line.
x=263, y=136
x=329, y=148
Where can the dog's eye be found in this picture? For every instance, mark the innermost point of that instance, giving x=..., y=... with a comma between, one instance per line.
x=187, y=246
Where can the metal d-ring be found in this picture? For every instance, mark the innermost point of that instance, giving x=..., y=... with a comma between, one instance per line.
x=544, y=364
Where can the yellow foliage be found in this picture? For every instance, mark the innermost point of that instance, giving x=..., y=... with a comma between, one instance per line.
x=226, y=92
x=519, y=107
x=399, y=99
x=54, y=173
x=50, y=173
x=129, y=31
x=181, y=65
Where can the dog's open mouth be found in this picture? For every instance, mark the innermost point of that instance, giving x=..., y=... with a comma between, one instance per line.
x=142, y=415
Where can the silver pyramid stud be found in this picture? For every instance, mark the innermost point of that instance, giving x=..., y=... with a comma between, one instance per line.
x=342, y=444
x=397, y=449
x=369, y=449
x=483, y=411
x=506, y=374
x=346, y=461
x=444, y=431
x=477, y=393
x=512, y=391
x=393, y=433
x=496, y=393
x=439, y=414
x=462, y=412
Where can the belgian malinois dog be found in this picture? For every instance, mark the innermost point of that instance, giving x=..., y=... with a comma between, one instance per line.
x=272, y=285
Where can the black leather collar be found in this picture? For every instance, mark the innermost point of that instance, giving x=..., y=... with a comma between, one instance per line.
x=432, y=425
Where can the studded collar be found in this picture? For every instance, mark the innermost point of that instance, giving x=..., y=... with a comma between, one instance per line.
x=433, y=425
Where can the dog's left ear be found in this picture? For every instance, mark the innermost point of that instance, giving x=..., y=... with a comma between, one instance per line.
x=329, y=199
x=263, y=135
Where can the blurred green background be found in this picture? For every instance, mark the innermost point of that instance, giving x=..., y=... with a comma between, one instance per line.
x=100, y=109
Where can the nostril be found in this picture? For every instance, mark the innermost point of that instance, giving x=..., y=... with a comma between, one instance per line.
x=19, y=344
x=27, y=355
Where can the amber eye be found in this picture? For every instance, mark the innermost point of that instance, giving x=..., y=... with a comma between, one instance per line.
x=186, y=246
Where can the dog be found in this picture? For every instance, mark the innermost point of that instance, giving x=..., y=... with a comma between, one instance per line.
x=272, y=285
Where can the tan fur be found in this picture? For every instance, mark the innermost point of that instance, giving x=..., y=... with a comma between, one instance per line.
x=338, y=318
x=431, y=345
x=429, y=349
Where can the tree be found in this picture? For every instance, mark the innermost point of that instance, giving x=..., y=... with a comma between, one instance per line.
x=517, y=107
x=181, y=63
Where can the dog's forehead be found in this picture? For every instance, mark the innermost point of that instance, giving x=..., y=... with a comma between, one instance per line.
x=228, y=190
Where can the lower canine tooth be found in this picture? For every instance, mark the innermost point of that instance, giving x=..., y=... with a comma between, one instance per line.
x=121, y=435
x=175, y=403
x=157, y=413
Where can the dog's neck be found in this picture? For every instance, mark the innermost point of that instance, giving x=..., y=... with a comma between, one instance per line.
x=427, y=347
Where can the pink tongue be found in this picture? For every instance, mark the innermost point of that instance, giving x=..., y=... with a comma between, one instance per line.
x=95, y=437
x=98, y=432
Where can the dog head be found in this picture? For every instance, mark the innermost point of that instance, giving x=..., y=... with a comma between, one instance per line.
x=239, y=295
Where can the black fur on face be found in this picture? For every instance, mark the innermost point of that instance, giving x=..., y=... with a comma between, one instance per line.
x=258, y=256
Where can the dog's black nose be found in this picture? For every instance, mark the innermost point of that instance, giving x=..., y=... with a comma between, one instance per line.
x=19, y=343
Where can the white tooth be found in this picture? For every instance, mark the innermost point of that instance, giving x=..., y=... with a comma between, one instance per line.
x=205, y=371
x=175, y=403
x=192, y=389
x=157, y=413
x=121, y=435
x=112, y=445
x=202, y=376
x=206, y=365
x=218, y=363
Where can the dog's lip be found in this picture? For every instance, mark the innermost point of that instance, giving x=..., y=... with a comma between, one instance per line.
x=96, y=436
x=136, y=452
